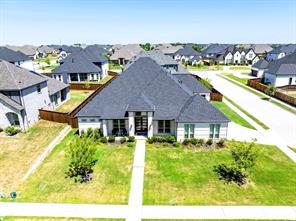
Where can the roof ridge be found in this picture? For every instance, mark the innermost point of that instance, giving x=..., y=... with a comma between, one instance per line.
x=11, y=75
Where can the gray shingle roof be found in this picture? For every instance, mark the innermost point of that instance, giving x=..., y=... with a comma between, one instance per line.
x=127, y=52
x=54, y=85
x=214, y=49
x=261, y=64
x=28, y=50
x=17, y=78
x=187, y=51
x=96, y=49
x=11, y=102
x=283, y=66
x=167, y=48
x=12, y=56
x=145, y=85
x=45, y=49
x=287, y=49
x=192, y=83
x=77, y=62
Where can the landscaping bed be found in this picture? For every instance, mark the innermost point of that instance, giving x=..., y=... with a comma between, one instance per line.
x=185, y=176
x=18, y=153
x=240, y=68
x=77, y=97
x=110, y=182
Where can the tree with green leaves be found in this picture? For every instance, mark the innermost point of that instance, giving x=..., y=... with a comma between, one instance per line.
x=270, y=90
x=81, y=155
x=147, y=46
x=197, y=48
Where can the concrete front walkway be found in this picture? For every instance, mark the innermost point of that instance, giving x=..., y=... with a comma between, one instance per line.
x=137, y=183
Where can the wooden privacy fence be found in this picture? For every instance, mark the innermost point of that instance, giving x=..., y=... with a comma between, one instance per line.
x=70, y=118
x=215, y=94
x=85, y=86
x=256, y=83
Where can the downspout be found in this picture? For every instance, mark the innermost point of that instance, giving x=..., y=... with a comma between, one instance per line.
x=23, y=103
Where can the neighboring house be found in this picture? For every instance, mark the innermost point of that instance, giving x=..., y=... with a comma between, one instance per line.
x=24, y=92
x=185, y=54
x=16, y=57
x=260, y=50
x=64, y=51
x=97, y=49
x=28, y=50
x=44, y=50
x=212, y=52
x=148, y=100
x=281, y=51
x=125, y=53
x=77, y=67
x=259, y=68
x=195, y=60
x=168, y=49
x=238, y=55
x=281, y=72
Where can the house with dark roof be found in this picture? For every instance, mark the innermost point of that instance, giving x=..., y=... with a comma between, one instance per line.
x=185, y=54
x=82, y=66
x=148, y=100
x=259, y=68
x=281, y=72
x=281, y=51
x=16, y=57
x=24, y=92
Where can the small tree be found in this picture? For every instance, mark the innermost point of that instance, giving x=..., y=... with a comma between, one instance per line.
x=47, y=60
x=146, y=47
x=244, y=157
x=81, y=154
x=270, y=90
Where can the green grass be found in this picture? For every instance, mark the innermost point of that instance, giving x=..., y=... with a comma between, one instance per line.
x=264, y=126
x=115, y=67
x=260, y=95
x=239, y=68
x=110, y=184
x=241, y=80
x=211, y=220
x=77, y=97
x=106, y=79
x=181, y=176
x=17, y=154
x=204, y=68
x=27, y=218
x=233, y=116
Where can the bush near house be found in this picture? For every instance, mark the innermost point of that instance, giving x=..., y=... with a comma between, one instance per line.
x=11, y=130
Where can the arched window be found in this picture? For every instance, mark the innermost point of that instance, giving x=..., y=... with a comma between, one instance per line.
x=13, y=119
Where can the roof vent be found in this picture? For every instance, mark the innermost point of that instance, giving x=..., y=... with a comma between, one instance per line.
x=72, y=60
x=180, y=81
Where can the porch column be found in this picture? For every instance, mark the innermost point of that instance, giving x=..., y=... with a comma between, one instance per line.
x=78, y=77
x=105, y=128
x=150, y=124
x=131, y=124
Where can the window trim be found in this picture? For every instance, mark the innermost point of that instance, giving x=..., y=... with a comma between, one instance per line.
x=189, y=132
x=164, y=129
x=214, y=131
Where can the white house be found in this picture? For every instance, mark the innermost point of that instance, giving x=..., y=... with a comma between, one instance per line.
x=23, y=93
x=17, y=58
x=281, y=51
x=281, y=72
x=259, y=68
x=148, y=100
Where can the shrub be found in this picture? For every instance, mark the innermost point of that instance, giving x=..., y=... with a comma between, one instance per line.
x=186, y=141
x=200, y=142
x=82, y=132
x=96, y=134
x=270, y=90
x=150, y=140
x=11, y=130
x=160, y=139
x=103, y=140
x=122, y=140
x=209, y=142
x=176, y=144
x=111, y=139
x=81, y=153
x=131, y=145
x=221, y=143
x=131, y=139
x=89, y=132
x=170, y=139
x=230, y=174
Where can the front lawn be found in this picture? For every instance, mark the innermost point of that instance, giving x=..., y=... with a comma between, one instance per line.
x=19, y=153
x=241, y=80
x=204, y=68
x=110, y=184
x=106, y=79
x=180, y=176
x=233, y=116
x=239, y=68
x=77, y=97
x=114, y=67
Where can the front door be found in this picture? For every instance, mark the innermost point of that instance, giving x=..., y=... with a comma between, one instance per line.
x=141, y=123
x=290, y=81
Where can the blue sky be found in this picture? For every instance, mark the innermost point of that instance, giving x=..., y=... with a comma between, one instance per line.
x=131, y=21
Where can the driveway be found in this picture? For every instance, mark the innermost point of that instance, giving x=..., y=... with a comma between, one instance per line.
x=282, y=123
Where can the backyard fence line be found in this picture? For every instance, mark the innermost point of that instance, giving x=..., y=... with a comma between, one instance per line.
x=256, y=84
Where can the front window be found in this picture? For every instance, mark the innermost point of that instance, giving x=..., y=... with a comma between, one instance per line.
x=214, y=131
x=38, y=88
x=73, y=77
x=189, y=130
x=164, y=126
x=83, y=77
x=119, y=128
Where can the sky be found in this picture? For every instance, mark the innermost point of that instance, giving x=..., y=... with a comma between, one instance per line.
x=139, y=21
